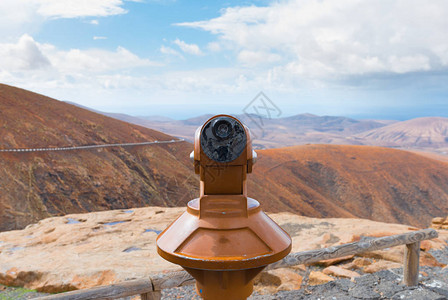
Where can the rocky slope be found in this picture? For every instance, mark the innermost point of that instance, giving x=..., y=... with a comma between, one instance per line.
x=314, y=180
x=428, y=132
x=375, y=183
x=85, y=250
x=271, y=132
x=40, y=184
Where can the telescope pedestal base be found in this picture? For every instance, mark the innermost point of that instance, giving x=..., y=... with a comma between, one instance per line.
x=224, y=285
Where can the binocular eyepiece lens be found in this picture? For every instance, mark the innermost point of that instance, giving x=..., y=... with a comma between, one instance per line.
x=223, y=139
x=222, y=129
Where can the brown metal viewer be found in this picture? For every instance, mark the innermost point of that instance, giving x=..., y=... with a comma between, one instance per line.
x=224, y=239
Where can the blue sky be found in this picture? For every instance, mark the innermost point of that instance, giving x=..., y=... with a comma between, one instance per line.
x=366, y=59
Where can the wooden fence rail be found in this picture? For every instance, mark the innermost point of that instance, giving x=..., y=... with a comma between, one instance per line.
x=151, y=288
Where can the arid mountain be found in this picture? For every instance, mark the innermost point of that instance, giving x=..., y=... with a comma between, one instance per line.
x=272, y=133
x=426, y=134
x=374, y=183
x=441, y=157
x=314, y=180
x=306, y=129
x=36, y=185
x=179, y=128
x=429, y=132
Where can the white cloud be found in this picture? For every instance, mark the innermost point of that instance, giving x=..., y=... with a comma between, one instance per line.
x=18, y=17
x=95, y=60
x=253, y=58
x=25, y=17
x=100, y=38
x=188, y=48
x=405, y=64
x=290, y=46
x=327, y=39
x=75, y=73
x=79, y=8
x=169, y=51
x=26, y=57
x=214, y=46
x=23, y=55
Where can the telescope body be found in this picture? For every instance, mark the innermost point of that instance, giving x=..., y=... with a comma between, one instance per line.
x=223, y=239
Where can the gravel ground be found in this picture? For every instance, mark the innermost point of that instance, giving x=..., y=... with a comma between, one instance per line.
x=381, y=285
x=7, y=293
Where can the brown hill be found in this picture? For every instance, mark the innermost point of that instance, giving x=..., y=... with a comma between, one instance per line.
x=375, y=183
x=316, y=180
x=40, y=184
x=271, y=133
x=428, y=132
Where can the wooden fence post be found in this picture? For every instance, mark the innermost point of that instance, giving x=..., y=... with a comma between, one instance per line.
x=411, y=264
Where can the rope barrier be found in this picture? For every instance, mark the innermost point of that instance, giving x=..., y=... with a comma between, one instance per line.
x=88, y=146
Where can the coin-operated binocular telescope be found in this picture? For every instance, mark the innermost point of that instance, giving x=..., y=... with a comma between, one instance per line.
x=224, y=239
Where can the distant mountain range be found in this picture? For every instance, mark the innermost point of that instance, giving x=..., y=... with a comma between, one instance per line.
x=381, y=184
x=428, y=133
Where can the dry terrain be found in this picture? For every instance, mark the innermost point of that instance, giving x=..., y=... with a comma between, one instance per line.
x=376, y=183
x=428, y=134
x=85, y=250
x=40, y=184
x=271, y=132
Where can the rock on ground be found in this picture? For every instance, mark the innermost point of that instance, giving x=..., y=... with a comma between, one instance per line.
x=85, y=250
x=381, y=285
x=385, y=284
